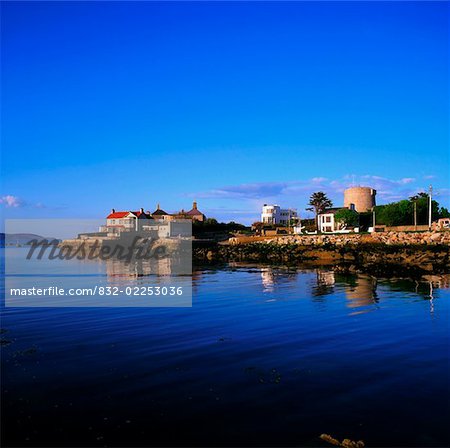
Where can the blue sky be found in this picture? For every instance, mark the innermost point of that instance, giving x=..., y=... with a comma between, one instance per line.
x=126, y=105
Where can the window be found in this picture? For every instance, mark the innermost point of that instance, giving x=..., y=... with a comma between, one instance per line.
x=328, y=219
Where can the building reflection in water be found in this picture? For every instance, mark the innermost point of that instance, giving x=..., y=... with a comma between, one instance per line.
x=136, y=268
x=141, y=268
x=270, y=277
x=325, y=281
x=267, y=279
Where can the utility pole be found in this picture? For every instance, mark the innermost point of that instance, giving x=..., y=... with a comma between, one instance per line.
x=415, y=214
x=429, y=206
x=373, y=214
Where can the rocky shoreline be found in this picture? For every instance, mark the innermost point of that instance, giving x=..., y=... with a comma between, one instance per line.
x=387, y=255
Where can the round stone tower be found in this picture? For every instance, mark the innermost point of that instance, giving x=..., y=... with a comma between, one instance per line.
x=362, y=198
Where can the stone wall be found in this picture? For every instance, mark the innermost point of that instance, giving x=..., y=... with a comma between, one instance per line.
x=412, y=237
x=389, y=238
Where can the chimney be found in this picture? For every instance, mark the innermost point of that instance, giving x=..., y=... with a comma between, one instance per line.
x=113, y=210
x=194, y=205
x=157, y=206
x=142, y=210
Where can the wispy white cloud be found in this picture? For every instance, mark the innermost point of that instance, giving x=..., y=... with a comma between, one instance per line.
x=11, y=201
x=387, y=189
x=245, y=200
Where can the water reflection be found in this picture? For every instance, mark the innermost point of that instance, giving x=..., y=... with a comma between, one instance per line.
x=267, y=279
x=431, y=299
x=139, y=268
x=363, y=293
x=360, y=290
x=325, y=283
x=270, y=277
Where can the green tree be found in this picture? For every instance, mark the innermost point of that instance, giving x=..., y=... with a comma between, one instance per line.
x=408, y=212
x=395, y=213
x=346, y=218
x=444, y=213
x=319, y=202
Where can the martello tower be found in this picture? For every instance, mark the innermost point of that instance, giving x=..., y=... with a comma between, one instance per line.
x=362, y=198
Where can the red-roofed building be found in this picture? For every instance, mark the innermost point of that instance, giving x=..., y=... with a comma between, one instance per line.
x=117, y=222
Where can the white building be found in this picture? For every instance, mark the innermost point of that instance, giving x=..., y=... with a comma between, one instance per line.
x=169, y=229
x=328, y=223
x=274, y=214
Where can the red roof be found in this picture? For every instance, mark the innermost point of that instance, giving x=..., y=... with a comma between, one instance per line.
x=116, y=215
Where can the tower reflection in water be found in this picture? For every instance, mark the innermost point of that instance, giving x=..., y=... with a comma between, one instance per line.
x=359, y=290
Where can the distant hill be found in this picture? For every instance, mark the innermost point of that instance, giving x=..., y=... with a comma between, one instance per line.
x=13, y=239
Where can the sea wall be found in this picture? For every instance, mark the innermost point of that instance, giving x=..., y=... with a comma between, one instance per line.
x=381, y=253
x=389, y=238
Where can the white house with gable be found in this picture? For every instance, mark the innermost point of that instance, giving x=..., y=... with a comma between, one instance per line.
x=274, y=214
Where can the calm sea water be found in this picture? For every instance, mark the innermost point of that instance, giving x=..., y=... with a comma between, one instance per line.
x=265, y=357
